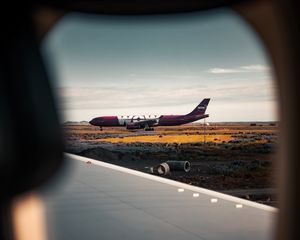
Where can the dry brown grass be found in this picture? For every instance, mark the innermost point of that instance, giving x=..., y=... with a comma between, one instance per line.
x=219, y=129
x=169, y=138
x=173, y=134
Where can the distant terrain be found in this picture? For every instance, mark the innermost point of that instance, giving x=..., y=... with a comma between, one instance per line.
x=76, y=123
x=236, y=158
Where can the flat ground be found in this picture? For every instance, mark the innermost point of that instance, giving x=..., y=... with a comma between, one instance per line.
x=233, y=158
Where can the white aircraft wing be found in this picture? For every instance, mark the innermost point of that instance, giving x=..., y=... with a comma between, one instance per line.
x=97, y=200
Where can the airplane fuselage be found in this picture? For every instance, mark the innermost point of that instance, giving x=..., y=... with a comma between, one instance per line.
x=163, y=120
x=150, y=121
x=175, y=120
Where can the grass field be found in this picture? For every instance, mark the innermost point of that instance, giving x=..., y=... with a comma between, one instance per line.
x=234, y=156
x=190, y=138
x=180, y=134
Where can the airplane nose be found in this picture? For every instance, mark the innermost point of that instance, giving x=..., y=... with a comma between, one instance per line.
x=92, y=122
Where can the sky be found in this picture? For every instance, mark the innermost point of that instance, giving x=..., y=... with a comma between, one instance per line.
x=135, y=65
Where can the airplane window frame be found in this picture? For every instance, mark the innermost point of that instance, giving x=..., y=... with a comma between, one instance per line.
x=285, y=58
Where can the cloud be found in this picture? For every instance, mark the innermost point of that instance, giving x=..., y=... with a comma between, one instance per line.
x=256, y=68
x=121, y=97
x=184, y=76
x=224, y=70
x=140, y=97
x=132, y=75
x=240, y=69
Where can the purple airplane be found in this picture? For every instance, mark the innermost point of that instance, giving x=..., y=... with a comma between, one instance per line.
x=147, y=122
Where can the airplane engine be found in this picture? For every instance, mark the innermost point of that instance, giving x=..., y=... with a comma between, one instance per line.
x=132, y=126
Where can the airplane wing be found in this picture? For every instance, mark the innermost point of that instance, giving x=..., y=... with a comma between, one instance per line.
x=97, y=200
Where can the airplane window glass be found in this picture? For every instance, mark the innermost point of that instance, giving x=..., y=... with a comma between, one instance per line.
x=189, y=97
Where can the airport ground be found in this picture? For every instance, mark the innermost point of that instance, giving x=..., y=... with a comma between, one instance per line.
x=234, y=158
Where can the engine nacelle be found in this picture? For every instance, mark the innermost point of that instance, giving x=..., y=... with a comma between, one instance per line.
x=132, y=126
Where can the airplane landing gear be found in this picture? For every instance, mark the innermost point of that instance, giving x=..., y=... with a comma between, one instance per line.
x=101, y=128
x=149, y=129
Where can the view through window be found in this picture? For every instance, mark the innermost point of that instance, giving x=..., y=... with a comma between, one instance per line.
x=189, y=97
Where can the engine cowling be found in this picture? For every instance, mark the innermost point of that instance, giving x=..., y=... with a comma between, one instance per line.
x=133, y=126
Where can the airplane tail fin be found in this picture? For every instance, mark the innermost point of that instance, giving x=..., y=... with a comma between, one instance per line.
x=201, y=108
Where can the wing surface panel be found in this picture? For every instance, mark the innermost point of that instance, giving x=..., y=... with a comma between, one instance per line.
x=97, y=200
